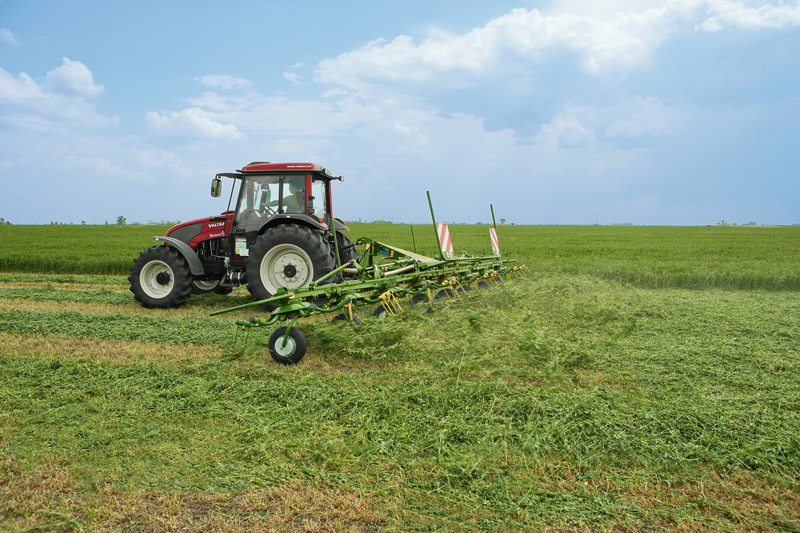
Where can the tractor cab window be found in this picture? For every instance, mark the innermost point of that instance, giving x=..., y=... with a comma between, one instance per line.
x=318, y=200
x=258, y=200
x=294, y=199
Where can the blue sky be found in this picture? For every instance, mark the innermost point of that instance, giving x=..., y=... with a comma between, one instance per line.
x=645, y=112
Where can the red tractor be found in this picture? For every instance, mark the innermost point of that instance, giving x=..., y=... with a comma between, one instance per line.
x=278, y=231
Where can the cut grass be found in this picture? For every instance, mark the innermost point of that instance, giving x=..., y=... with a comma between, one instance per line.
x=58, y=347
x=557, y=401
x=48, y=498
x=54, y=279
x=152, y=328
x=199, y=305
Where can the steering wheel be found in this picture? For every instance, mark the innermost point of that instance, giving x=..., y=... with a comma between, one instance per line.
x=266, y=211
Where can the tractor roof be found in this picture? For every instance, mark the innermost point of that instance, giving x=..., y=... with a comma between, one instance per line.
x=263, y=166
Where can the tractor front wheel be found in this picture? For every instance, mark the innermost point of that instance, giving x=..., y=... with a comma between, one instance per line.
x=289, y=256
x=160, y=278
x=210, y=285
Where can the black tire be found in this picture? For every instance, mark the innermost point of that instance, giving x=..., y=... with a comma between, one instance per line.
x=223, y=290
x=288, y=255
x=347, y=250
x=343, y=317
x=160, y=278
x=205, y=286
x=420, y=303
x=294, y=350
x=420, y=299
x=447, y=292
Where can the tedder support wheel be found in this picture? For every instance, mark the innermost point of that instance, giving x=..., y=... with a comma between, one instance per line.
x=342, y=317
x=160, y=278
x=421, y=304
x=290, y=352
x=288, y=255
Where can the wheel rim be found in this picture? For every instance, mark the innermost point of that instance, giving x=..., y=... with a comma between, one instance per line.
x=286, y=265
x=287, y=350
x=151, y=280
x=206, y=285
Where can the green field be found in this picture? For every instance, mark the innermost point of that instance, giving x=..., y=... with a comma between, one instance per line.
x=652, y=257
x=641, y=378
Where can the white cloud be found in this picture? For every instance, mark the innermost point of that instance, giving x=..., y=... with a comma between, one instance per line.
x=224, y=81
x=191, y=121
x=214, y=115
x=606, y=36
x=740, y=14
x=565, y=131
x=623, y=39
x=330, y=93
x=18, y=89
x=160, y=161
x=293, y=77
x=100, y=165
x=73, y=76
x=646, y=116
x=9, y=38
x=59, y=102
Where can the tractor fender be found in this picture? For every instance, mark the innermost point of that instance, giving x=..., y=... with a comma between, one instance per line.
x=195, y=266
x=340, y=225
x=305, y=220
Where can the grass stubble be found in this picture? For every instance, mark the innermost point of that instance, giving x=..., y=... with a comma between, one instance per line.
x=560, y=402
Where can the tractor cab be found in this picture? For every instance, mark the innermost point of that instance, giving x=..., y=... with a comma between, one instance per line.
x=264, y=196
x=288, y=191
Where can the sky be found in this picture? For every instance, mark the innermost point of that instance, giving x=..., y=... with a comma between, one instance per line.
x=561, y=112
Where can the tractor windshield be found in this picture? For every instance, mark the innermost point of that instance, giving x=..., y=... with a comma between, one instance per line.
x=263, y=196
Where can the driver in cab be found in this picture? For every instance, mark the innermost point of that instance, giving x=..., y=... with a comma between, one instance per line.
x=294, y=202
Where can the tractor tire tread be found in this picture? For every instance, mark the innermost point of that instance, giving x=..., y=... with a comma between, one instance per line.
x=182, y=288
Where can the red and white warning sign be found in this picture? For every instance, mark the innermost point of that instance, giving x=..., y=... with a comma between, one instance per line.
x=495, y=242
x=444, y=240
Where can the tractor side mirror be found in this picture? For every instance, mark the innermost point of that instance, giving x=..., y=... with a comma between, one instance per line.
x=216, y=187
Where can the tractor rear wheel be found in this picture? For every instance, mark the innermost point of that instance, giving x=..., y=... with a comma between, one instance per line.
x=288, y=255
x=160, y=278
x=347, y=250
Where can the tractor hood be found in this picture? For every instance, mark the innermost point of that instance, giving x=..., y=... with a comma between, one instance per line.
x=194, y=231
